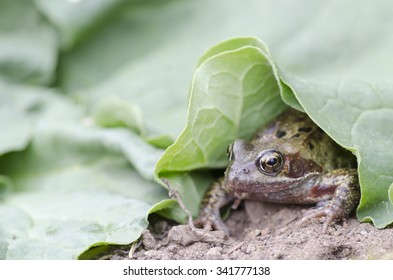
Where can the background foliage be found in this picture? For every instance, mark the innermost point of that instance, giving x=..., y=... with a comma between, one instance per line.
x=93, y=91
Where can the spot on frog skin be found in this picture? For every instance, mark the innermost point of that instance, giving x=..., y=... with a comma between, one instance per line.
x=305, y=129
x=280, y=133
x=300, y=119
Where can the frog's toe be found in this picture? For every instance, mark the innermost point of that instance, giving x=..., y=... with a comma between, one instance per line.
x=211, y=222
x=204, y=223
x=328, y=213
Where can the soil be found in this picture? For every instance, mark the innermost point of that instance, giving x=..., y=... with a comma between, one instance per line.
x=266, y=231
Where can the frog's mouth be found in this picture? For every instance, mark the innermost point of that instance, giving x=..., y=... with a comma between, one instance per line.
x=297, y=192
x=289, y=185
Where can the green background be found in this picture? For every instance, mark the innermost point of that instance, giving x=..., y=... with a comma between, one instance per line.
x=93, y=91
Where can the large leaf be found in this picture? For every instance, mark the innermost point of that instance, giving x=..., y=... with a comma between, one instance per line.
x=235, y=89
x=74, y=186
x=143, y=55
x=355, y=115
x=132, y=57
x=224, y=99
x=21, y=107
x=76, y=19
x=358, y=116
x=72, y=189
x=28, y=45
x=146, y=55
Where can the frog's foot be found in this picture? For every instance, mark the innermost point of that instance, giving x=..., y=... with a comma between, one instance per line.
x=211, y=220
x=329, y=213
x=216, y=197
x=344, y=200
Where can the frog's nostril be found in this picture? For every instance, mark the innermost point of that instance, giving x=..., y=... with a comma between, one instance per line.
x=246, y=171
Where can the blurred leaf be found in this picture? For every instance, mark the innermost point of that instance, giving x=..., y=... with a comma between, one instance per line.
x=76, y=18
x=28, y=45
x=160, y=141
x=6, y=185
x=114, y=112
x=144, y=52
x=21, y=107
x=73, y=184
x=146, y=55
x=74, y=189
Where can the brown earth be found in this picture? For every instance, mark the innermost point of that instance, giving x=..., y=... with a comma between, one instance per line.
x=266, y=231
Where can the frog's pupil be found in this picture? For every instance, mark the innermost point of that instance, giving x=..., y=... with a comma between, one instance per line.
x=272, y=161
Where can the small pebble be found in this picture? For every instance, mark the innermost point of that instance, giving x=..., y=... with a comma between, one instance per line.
x=157, y=255
x=250, y=249
x=148, y=240
x=214, y=253
x=253, y=234
x=184, y=235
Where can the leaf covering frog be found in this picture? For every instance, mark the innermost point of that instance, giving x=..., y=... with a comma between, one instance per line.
x=291, y=160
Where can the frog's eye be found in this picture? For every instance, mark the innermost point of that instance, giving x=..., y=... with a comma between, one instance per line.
x=270, y=162
x=230, y=152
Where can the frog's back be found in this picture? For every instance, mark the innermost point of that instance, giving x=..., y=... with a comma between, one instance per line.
x=298, y=130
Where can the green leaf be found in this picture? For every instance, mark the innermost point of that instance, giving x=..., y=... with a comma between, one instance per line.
x=28, y=45
x=160, y=141
x=73, y=189
x=234, y=90
x=69, y=184
x=225, y=103
x=6, y=185
x=114, y=112
x=191, y=187
x=147, y=53
x=358, y=116
x=22, y=107
x=355, y=114
x=76, y=19
x=143, y=52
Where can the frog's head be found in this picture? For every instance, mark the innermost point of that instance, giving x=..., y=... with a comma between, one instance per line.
x=268, y=167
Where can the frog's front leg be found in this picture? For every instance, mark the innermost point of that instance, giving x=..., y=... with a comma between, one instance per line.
x=345, y=198
x=216, y=197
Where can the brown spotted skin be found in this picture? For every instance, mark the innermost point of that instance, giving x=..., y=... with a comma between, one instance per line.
x=291, y=160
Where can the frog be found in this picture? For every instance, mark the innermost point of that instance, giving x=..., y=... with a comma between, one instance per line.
x=290, y=160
